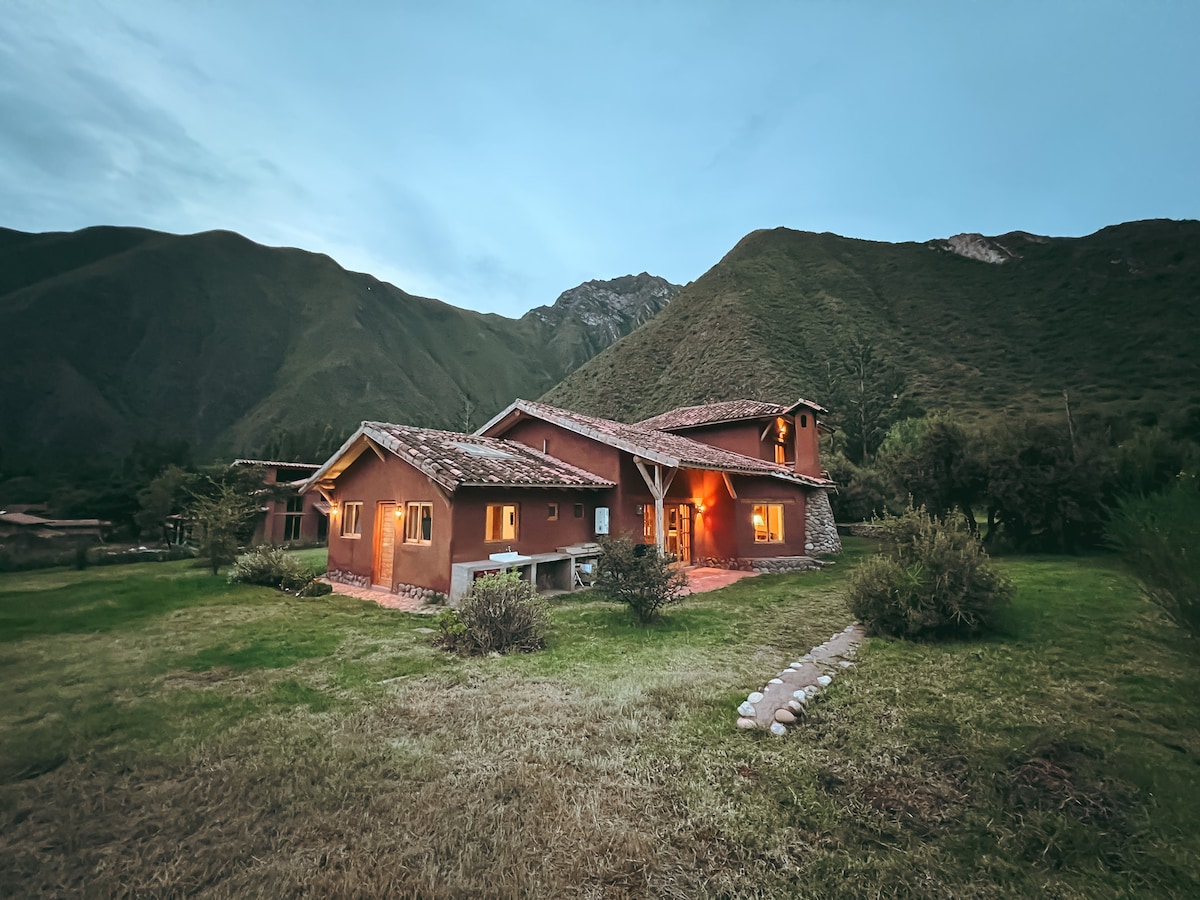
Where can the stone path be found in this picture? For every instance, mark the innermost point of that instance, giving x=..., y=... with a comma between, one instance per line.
x=384, y=598
x=707, y=578
x=782, y=700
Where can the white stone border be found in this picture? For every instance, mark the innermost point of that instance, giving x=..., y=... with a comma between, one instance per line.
x=782, y=700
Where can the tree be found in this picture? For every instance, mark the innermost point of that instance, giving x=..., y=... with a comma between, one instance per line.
x=865, y=395
x=936, y=462
x=1044, y=493
x=223, y=508
x=638, y=577
x=165, y=495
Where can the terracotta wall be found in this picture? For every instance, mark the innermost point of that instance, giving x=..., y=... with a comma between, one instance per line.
x=370, y=480
x=808, y=456
x=724, y=529
x=536, y=532
x=740, y=437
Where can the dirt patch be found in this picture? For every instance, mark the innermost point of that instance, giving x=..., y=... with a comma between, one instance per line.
x=1063, y=777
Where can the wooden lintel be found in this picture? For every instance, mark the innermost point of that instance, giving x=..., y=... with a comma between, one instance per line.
x=729, y=485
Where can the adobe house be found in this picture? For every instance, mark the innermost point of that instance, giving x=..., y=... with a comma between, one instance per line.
x=291, y=517
x=422, y=512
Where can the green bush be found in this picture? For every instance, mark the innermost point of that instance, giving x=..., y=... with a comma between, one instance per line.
x=1159, y=538
x=501, y=614
x=272, y=567
x=638, y=577
x=934, y=580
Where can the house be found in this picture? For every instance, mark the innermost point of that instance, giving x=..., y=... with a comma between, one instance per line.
x=22, y=524
x=289, y=516
x=422, y=512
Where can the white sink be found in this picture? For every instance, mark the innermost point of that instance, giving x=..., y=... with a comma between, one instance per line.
x=510, y=558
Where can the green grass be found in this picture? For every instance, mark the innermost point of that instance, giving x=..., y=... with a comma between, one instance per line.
x=245, y=742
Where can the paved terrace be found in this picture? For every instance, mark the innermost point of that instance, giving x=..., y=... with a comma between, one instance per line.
x=700, y=580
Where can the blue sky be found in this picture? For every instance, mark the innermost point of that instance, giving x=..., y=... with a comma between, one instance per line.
x=493, y=154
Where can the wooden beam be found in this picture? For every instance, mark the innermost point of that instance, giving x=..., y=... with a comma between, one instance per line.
x=376, y=448
x=729, y=485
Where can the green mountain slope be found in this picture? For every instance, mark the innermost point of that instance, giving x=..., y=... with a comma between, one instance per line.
x=1113, y=317
x=117, y=335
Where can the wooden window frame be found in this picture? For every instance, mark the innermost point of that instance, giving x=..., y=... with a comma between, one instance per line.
x=351, y=527
x=552, y=512
x=412, y=523
x=766, y=526
x=516, y=523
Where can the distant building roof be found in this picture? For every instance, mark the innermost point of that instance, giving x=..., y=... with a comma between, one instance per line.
x=276, y=464
x=19, y=518
x=652, y=444
x=455, y=460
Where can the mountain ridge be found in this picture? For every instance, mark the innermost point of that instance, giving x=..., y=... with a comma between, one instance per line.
x=766, y=322
x=133, y=335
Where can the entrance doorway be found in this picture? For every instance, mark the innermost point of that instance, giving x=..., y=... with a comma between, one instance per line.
x=385, y=544
x=677, y=523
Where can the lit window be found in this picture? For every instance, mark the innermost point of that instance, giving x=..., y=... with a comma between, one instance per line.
x=552, y=512
x=648, y=529
x=501, y=522
x=780, y=453
x=418, y=523
x=351, y=516
x=768, y=523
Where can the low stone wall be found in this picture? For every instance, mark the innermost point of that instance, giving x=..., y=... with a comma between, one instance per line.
x=767, y=564
x=358, y=581
x=820, y=531
x=418, y=593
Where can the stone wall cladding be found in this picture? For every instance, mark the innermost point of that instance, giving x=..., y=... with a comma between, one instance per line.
x=768, y=564
x=358, y=581
x=820, y=531
x=418, y=593
x=408, y=591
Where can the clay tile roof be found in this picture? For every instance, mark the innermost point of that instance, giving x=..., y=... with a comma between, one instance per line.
x=713, y=413
x=456, y=460
x=724, y=411
x=654, y=445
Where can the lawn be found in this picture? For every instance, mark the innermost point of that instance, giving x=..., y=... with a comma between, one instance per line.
x=163, y=733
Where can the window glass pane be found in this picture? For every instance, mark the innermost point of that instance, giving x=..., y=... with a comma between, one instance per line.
x=768, y=522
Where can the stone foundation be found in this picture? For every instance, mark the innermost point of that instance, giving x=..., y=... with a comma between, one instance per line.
x=420, y=594
x=766, y=564
x=820, y=531
x=407, y=591
x=358, y=581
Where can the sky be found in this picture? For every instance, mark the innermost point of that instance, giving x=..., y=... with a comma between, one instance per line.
x=494, y=154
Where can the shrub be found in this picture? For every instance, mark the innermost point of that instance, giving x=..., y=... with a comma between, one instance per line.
x=641, y=580
x=1159, y=538
x=501, y=613
x=272, y=567
x=935, y=580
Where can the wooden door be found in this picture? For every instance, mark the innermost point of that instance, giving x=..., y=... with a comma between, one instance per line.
x=385, y=544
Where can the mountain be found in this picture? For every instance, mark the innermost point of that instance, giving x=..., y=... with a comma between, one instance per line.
x=976, y=323
x=120, y=335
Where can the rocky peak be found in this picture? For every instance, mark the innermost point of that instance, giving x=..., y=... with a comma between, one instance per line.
x=588, y=318
x=976, y=246
x=629, y=299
